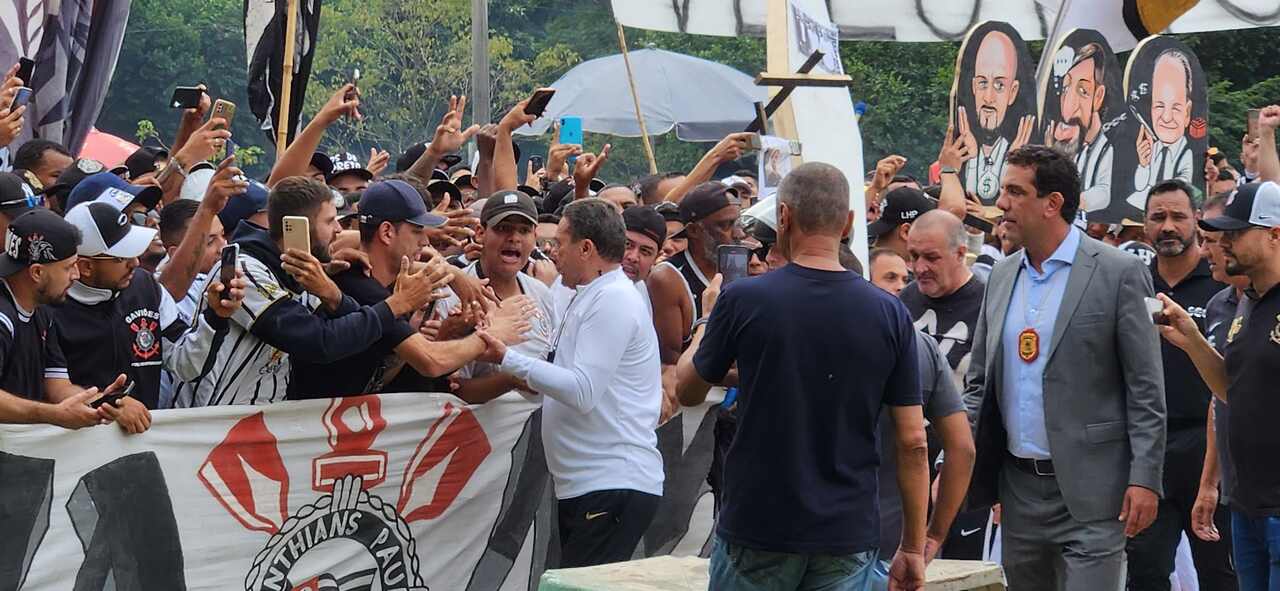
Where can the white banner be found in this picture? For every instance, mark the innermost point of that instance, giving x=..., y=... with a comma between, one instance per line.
x=394, y=491
x=924, y=20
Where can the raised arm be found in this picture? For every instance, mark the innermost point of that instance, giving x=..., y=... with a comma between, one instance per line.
x=728, y=149
x=184, y=264
x=449, y=138
x=297, y=156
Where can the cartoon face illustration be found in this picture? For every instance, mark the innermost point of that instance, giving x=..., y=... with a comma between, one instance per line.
x=1171, y=96
x=1082, y=94
x=995, y=81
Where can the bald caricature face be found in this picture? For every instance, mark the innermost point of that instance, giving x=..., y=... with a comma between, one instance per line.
x=1170, y=103
x=995, y=80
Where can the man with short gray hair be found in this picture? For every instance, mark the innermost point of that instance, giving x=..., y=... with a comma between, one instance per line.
x=812, y=379
x=603, y=388
x=945, y=298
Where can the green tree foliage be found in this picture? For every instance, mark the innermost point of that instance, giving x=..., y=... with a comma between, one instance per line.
x=413, y=55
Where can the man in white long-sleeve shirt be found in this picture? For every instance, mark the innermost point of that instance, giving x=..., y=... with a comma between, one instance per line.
x=603, y=393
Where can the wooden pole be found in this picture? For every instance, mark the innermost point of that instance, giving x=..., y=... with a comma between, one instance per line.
x=286, y=78
x=635, y=98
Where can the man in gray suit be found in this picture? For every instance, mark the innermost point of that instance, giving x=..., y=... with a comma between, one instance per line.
x=1067, y=387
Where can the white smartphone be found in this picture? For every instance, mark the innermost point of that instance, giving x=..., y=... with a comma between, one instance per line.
x=297, y=233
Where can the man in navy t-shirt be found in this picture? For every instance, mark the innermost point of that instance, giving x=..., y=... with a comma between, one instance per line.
x=818, y=350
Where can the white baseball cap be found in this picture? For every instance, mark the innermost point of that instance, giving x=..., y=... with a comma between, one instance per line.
x=106, y=231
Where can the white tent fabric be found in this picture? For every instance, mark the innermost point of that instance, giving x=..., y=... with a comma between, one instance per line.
x=702, y=100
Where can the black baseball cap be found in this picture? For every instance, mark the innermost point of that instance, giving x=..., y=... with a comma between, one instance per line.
x=323, y=163
x=72, y=175
x=440, y=188
x=411, y=155
x=37, y=237
x=143, y=161
x=458, y=172
x=646, y=221
x=504, y=204
x=451, y=160
x=901, y=206
x=16, y=196
x=705, y=200
x=1253, y=205
x=104, y=230
x=396, y=201
x=348, y=163
x=669, y=211
x=108, y=187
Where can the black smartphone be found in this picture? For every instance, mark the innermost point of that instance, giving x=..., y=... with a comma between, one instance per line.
x=978, y=223
x=536, y=162
x=732, y=259
x=186, y=97
x=227, y=271
x=538, y=102
x=26, y=68
x=21, y=99
x=114, y=398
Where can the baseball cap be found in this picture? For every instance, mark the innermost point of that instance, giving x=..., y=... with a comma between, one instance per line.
x=902, y=206
x=411, y=155
x=439, y=189
x=451, y=160
x=16, y=196
x=530, y=191
x=504, y=204
x=72, y=175
x=105, y=230
x=669, y=211
x=143, y=161
x=396, y=201
x=35, y=238
x=243, y=206
x=646, y=221
x=348, y=163
x=1253, y=205
x=321, y=161
x=345, y=203
x=110, y=188
x=706, y=199
x=460, y=174
x=197, y=182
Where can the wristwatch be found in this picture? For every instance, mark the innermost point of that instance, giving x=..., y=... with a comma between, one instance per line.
x=949, y=170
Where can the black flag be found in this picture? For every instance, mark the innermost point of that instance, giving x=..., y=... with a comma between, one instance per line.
x=264, y=28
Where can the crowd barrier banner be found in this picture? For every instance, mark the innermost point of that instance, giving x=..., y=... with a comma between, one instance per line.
x=393, y=492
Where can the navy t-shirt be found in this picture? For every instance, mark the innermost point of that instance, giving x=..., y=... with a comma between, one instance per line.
x=818, y=354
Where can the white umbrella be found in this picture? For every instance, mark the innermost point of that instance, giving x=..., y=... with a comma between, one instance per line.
x=702, y=100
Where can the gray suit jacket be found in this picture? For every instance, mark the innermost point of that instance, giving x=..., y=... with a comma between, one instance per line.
x=1103, y=384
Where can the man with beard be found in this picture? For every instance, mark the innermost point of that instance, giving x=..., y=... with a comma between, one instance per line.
x=291, y=308
x=1082, y=94
x=36, y=269
x=710, y=211
x=1167, y=155
x=1180, y=272
x=995, y=88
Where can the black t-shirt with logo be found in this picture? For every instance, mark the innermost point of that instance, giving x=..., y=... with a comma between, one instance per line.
x=1253, y=354
x=1219, y=315
x=364, y=372
x=119, y=335
x=29, y=349
x=1186, y=395
x=949, y=320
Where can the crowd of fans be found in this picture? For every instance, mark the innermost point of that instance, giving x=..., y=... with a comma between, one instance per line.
x=1003, y=356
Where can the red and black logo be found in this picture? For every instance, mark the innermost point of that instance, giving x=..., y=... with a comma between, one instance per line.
x=146, y=340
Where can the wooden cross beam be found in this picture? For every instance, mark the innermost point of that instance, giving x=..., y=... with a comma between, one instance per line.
x=788, y=83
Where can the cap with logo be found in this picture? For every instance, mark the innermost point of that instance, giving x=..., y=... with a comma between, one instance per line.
x=143, y=161
x=197, y=182
x=38, y=237
x=243, y=206
x=647, y=222
x=396, y=201
x=72, y=175
x=504, y=204
x=1253, y=205
x=901, y=206
x=348, y=163
x=106, y=231
x=16, y=196
x=110, y=188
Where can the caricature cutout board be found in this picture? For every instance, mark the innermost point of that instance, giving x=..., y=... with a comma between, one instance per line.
x=1081, y=104
x=1166, y=134
x=993, y=103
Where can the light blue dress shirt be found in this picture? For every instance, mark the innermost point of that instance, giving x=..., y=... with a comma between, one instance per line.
x=1034, y=304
